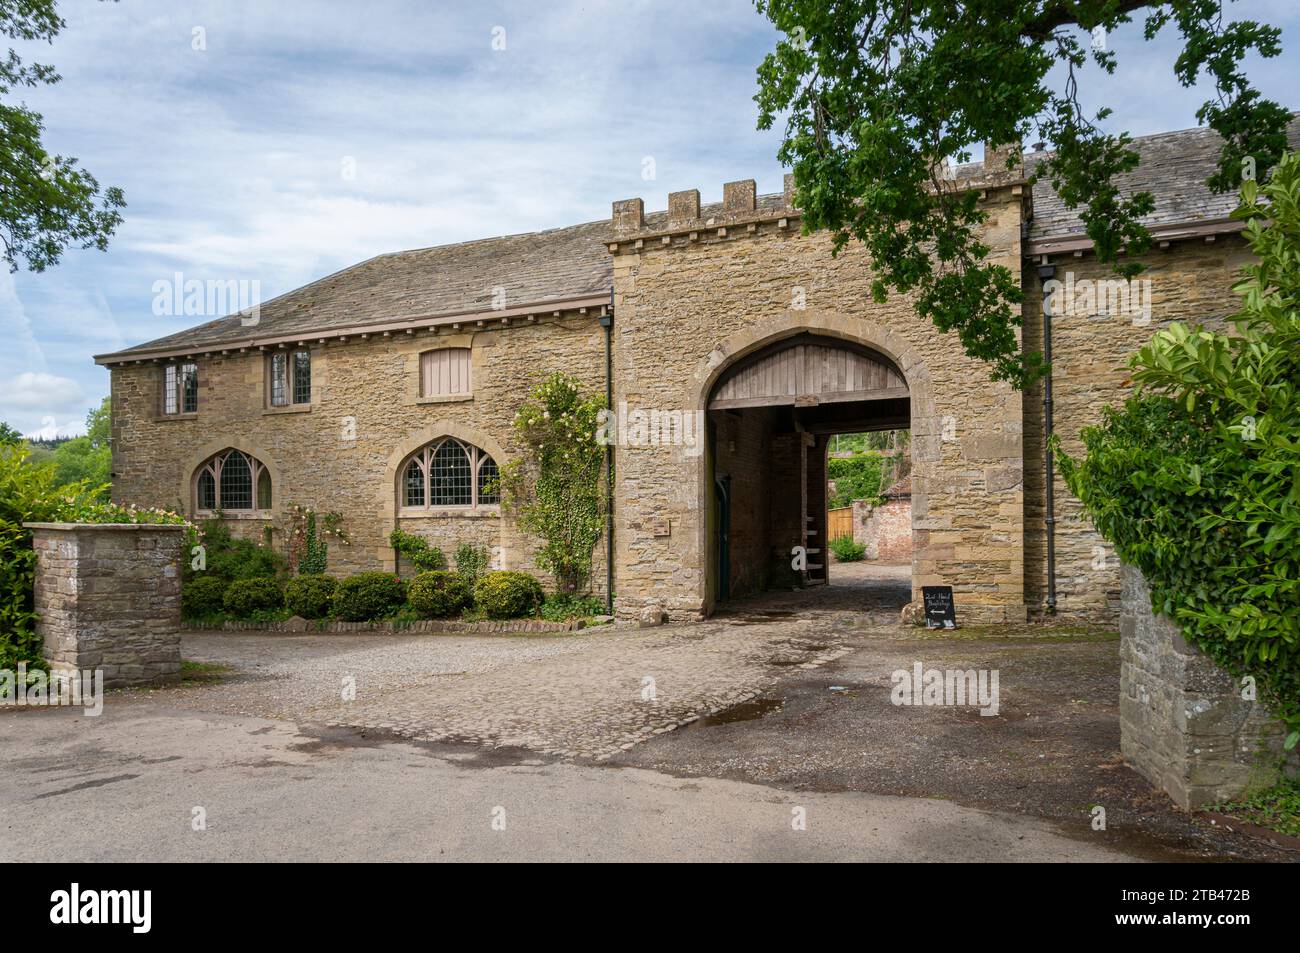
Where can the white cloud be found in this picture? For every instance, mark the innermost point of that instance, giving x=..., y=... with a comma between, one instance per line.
x=36, y=390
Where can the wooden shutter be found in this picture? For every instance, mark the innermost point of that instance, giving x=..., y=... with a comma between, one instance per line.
x=445, y=373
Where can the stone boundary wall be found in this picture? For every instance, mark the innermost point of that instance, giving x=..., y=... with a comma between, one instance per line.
x=884, y=529
x=298, y=626
x=1183, y=723
x=108, y=597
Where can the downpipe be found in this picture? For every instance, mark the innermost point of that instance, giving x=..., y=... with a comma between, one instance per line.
x=1046, y=272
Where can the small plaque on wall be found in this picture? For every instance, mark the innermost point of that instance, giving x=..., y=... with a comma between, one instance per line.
x=940, y=610
x=660, y=527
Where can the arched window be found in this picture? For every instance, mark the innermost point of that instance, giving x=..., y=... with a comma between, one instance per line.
x=448, y=473
x=232, y=482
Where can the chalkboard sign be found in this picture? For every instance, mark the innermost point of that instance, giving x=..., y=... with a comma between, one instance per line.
x=940, y=611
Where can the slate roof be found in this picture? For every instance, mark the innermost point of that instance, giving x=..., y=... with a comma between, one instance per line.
x=533, y=268
x=1173, y=169
x=563, y=264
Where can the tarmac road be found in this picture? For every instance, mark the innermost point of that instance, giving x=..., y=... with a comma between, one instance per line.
x=132, y=784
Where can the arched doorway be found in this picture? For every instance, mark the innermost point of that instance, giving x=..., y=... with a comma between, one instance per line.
x=771, y=416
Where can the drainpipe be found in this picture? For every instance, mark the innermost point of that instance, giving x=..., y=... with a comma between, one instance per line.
x=607, y=322
x=1046, y=272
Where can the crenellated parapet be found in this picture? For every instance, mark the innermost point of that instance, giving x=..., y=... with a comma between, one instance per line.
x=743, y=211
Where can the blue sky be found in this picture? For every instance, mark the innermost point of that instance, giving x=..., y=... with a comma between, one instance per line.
x=234, y=156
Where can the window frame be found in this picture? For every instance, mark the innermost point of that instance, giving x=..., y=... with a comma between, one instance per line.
x=290, y=358
x=424, y=457
x=213, y=466
x=175, y=393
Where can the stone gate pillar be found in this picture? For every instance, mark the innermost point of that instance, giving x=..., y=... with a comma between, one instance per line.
x=109, y=597
x=1183, y=723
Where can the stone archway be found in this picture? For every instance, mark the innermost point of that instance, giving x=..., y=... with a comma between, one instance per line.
x=772, y=404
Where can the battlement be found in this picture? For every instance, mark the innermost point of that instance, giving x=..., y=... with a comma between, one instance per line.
x=743, y=207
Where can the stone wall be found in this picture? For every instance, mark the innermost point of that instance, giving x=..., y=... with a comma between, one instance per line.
x=343, y=451
x=1183, y=723
x=109, y=597
x=696, y=297
x=1190, y=281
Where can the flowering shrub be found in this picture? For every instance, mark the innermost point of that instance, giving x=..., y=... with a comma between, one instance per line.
x=307, y=535
x=557, y=492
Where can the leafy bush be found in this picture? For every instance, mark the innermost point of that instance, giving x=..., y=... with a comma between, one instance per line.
x=368, y=596
x=856, y=478
x=202, y=596
x=508, y=595
x=1194, y=480
x=438, y=594
x=563, y=607
x=1277, y=808
x=228, y=557
x=310, y=596
x=471, y=561
x=244, y=597
x=846, y=550
x=423, y=557
x=30, y=492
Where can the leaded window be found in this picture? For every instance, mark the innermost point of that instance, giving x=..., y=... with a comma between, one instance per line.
x=489, y=479
x=449, y=473
x=180, y=389
x=232, y=482
x=289, y=378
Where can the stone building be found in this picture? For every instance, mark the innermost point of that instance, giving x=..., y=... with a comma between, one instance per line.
x=737, y=348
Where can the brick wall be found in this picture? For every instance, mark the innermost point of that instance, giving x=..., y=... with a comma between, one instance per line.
x=885, y=530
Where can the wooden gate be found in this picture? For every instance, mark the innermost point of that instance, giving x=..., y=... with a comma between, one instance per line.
x=839, y=522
